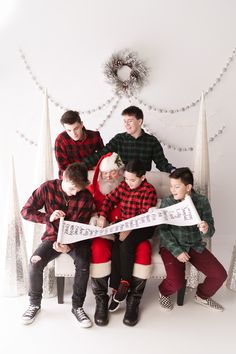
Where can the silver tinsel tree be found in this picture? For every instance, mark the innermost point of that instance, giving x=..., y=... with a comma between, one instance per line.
x=231, y=280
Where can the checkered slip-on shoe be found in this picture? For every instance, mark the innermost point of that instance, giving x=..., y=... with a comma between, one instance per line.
x=210, y=303
x=165, y=302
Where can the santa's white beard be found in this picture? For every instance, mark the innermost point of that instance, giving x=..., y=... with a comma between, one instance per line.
x=108, y=186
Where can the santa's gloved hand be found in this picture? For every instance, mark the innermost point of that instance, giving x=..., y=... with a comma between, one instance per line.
x=102, y=221
x=93, y=220
x=152, y=209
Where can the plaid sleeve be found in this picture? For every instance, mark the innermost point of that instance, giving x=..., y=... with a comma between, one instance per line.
x=159, y=158
x=92, y=160
x=99, y=144
x=112, y=198
x=86, y=209
x=150, y=200
x=31, y=210
x=61, y=154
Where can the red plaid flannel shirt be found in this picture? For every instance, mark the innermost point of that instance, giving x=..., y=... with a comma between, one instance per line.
x=132, y=201
x=68, y=151
x=50, y=196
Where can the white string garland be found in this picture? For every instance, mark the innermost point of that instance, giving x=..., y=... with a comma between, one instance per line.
x=194, y=103
x=140, y=101
x=108, y=116
x=51, y=98
x=118, y=98
x=181, y=148
x=165, y=144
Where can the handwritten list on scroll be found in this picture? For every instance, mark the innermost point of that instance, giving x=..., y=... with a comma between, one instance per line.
x=180, y=214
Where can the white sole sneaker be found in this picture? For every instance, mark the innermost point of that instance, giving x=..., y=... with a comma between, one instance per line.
x=82, y=318
x=209, y=303
x=165, y=303
x=27, y=320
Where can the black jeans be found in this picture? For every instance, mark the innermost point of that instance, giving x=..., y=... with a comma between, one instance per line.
x=123, y=254
x=81, y=255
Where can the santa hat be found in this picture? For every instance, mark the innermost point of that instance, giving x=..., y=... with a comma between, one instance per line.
x=110, y=161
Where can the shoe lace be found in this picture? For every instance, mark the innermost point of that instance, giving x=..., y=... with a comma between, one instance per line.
x=81, y=314
x=30, y=311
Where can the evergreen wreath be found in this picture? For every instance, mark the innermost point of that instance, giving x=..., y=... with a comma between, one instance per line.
x=126, y=72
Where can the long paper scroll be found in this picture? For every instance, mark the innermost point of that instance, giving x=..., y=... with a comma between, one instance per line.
x=180, y=214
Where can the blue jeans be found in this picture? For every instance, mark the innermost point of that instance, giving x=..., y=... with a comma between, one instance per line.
x=81, y=256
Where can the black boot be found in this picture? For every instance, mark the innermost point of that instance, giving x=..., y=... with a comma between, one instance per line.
x=132, y=305
x=100, y=287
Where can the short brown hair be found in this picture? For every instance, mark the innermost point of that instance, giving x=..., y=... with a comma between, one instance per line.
x=184, y=174
x=70, y=117
x=77, y=173
x=133, y=111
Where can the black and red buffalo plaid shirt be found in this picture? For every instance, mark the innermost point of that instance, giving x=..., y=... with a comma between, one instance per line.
x=68, y=151
x=50, y=195
x=132, y=201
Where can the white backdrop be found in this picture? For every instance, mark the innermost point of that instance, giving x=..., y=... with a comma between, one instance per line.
x=185, y=44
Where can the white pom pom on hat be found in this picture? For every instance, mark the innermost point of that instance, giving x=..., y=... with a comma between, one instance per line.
x=111, y=162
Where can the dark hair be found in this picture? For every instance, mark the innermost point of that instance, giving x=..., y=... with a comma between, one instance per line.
x=184, y=173
x=133, y=111
x=70, y=117
x=135, y=166
x=77, y=173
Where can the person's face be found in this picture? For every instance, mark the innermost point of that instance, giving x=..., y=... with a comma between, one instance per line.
x=112, y=175
x=70, y=188
x=132, y=180
x=132, y=125
x=178, y=189
x=75, y=130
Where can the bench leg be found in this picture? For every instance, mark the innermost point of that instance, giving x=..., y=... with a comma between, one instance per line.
x=60, y=289
x=180, y=295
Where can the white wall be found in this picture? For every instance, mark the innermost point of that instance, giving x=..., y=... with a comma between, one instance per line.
x=185, y=43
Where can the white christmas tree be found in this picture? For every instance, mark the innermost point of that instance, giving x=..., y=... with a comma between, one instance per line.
x=44, y=172
x=201, y=177
x=16, y=263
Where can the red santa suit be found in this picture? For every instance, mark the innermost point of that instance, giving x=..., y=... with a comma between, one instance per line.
x=101, y=247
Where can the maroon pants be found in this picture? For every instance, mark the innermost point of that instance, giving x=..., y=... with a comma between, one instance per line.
x=205, y=262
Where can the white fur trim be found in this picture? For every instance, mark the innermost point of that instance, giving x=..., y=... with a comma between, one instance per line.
x=99, y=270
x=109, y=163
x=142, y=271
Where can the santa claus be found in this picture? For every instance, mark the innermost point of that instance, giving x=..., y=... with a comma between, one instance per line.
x=107, y=175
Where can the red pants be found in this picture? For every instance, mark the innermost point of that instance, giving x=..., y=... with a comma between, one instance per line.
x=205, y=262
x=101, y=251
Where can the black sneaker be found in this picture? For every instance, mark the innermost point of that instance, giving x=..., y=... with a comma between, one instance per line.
x=114, y=305
x=30, y=314
x=122, y=291
x=82, y=317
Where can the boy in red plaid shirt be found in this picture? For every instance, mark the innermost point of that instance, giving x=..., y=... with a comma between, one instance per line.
x=68, y=198
x=75, y=143
x=135, y=196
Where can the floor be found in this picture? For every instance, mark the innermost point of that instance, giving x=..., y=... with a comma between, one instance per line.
x=188, y=329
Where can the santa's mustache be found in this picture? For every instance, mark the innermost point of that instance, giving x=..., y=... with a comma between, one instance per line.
x=106, y=186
